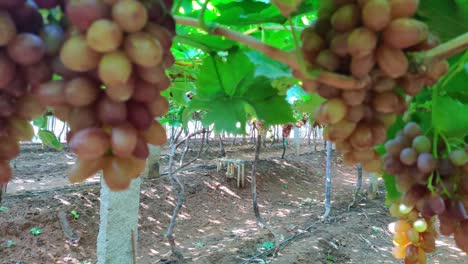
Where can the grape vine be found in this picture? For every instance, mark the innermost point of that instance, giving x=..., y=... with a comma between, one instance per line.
x=100, y=66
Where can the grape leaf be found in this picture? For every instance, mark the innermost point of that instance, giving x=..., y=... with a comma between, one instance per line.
x=203, y=41
x=450, y=116
x=308, y=103
x=177, y=92
x=225, y=75
x=267, y=66
x=49, y=139
x=225, y=113
x=447, y=18
x=390, y=188
x=274, y=110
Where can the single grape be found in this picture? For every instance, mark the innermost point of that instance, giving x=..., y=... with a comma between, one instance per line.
x=411, y=253
x=412, y=130
x=156, y=134
x=89, y=143
x=376, y=14
x=420, y=225
x=139, y=115
x=123, y=140
x=81, y=91
x=437, y=204
x=413, y=235
x=331, y=112
x=79, y=117
x=141, y=150
x=115, y=68
x=459, y=157
x=428, y=242
x=399, y=252
x=104, y=35
x=345, y=18
x=400, y=239
x=111, y=112
x=143, y=49
x=84, y=169
x=82, y=13
x=426, y=163
x=392, y=165
x=405, y=209
x=408, y=156
x=130, y=15
x=115, y=174
x=422, y=144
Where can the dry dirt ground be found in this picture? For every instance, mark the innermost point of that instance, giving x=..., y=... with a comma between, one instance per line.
x=217, y=224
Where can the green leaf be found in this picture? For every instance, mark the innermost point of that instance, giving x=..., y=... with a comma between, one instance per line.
x=177, y=92
x=450, y=116
x=3, y=208
x=267, y=66
x=203, y=41
x=309, y=104
x=391, y=188
x=274, y=110
x=35, y=231
x=40, y=122
x=226, y=114
x=448, y=18
x=49, y=139
x=229, y=75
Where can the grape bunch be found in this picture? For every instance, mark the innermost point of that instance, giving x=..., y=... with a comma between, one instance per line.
x=368, y=40
x=433, y=180
x=26, y=51
x=112, y=65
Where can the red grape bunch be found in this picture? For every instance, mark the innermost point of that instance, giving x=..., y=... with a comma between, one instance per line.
x=27, y=47
x=433, y=181
x=368, y=40
x=112, y=63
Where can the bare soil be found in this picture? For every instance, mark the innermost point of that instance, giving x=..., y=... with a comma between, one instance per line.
x=216, y=224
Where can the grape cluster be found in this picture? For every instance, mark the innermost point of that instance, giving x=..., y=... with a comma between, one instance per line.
x=433, y=182
x=112, y=63
x=25, y=59
x=368, y=40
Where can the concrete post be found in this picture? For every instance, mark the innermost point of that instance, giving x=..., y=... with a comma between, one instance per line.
x=118, y=228
x=297, y=138
x=152, y=163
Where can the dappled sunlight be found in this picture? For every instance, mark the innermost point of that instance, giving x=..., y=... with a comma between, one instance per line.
x=229, y=191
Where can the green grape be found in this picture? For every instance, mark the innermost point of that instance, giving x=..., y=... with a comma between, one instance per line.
x=420, y=225
x=405, y=209
x=459, y=157
x=422, y=144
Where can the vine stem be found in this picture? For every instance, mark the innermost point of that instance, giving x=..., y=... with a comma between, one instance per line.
x=420, y=60
x=286, y=57
x=272, y=52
